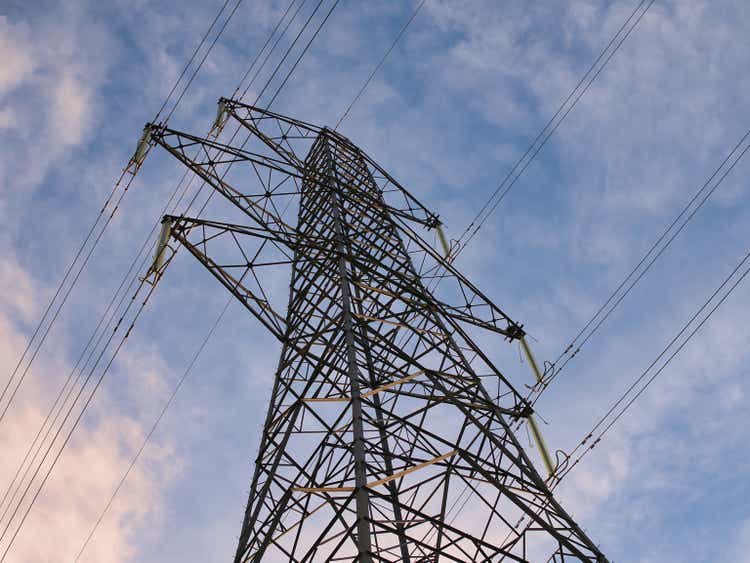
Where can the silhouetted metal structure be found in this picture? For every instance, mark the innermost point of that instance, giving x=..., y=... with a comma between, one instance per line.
x=381, y=442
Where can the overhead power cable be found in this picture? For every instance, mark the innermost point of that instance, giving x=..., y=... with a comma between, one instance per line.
x=64, y=394
x=285, y=81
x=617, y=417
x=263, y=49
x=259, y=95
x=380, y=64
x=76, y=421
x=633, y=392
x=147, y=438
x=205, y=56
x=273, y=48
x=628, y=397
x=302, y=54
x=107, y=319
x=291, y=47
x=190, y=61
x=552, y=125
x=520, y=166
x=69, y=388
x=657, y=249
x=82, y=256
x=10, y=386
x=267, y=84
x=221, y=314
x=41, y=433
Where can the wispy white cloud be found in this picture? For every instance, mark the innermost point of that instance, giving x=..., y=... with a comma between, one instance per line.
x=49, y=83
x=92, y=463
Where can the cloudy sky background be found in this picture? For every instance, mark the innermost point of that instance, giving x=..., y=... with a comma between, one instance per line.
x=458, y=101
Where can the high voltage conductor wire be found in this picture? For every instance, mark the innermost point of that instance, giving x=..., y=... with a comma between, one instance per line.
x=205, y=56
x=103, y=324
x=60, y=395
x=103, y=318
x=108, y=200
x=676, y=227
x=289, y=50
x=190, y=61
x=657, y=249
x=543, y=136
x=156, y=422
x=88, y=352
x=621, y=403
x=76, y=421
x=380, y=64
x=268, y=55
x=117, y=350
x=737, y=152
x=568, y=467
x=93, y=228
x=151, y=431
x=297, y=62
x=520, y=166
x=211, y=331
x=302, y=54
x=268, y=81
x=87, y=239
x=249, y=85
x=121, y=319
x=662, y=368
x=277, y=93
x=555, y=121
x=276, y=70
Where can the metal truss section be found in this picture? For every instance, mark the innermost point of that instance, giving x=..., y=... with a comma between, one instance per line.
x=379, y=430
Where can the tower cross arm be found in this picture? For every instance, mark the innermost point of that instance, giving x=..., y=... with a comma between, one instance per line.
x=255, y=301
x=288, y=238
x=179, y=142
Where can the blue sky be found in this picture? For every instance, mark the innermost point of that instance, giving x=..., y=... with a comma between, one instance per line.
x=458, y=101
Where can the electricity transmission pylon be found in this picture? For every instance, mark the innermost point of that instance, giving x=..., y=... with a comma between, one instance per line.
x=381, y=441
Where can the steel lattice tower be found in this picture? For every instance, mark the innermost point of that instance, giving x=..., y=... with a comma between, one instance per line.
x=381, y=441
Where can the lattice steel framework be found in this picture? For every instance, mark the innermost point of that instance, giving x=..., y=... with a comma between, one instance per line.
x=381, y=442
